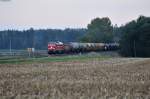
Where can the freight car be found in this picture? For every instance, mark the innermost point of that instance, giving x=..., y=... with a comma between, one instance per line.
x=75, y=47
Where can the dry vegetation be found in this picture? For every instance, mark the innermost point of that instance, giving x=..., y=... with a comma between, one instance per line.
x=118, y=78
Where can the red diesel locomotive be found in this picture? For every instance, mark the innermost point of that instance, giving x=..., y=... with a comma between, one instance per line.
x=55, y=47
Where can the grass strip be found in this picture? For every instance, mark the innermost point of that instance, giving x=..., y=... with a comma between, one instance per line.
x=51, y=59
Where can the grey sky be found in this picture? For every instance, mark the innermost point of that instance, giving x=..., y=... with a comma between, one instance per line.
x=68, y=13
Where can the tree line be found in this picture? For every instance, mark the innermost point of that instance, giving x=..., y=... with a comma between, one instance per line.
x=37, y=38
x=135, y=40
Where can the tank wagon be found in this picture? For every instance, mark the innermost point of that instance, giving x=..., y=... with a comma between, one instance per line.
x=75, y=47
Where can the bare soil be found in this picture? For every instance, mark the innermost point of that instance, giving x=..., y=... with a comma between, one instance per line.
x=116, y=78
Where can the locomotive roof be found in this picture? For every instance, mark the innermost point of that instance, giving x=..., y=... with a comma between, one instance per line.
x=55, y=42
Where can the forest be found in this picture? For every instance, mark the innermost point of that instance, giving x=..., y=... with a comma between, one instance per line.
x=38, y=39
x=133, y=37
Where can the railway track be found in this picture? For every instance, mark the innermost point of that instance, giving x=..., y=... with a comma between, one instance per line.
x=44, y=53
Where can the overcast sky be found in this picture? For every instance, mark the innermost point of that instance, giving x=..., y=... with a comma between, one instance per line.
x=21, y=14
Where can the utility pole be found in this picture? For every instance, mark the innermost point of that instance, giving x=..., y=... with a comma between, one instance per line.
x=134, y=49
x=10, y=47
x=33, y=48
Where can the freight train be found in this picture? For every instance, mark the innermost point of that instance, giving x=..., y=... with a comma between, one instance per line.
x=75, y=47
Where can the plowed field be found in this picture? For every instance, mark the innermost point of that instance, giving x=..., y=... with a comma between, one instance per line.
x=114, y=78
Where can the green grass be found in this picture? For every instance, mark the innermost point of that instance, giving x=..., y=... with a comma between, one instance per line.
x=50, y=59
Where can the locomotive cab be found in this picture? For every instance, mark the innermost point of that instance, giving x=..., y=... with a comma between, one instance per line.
x=55, y=47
